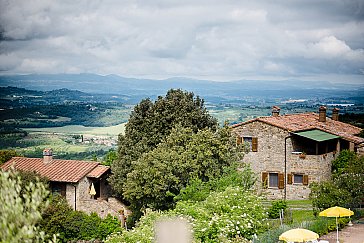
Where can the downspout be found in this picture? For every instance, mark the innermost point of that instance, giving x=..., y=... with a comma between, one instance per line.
x=285, y=166
x=75, y=194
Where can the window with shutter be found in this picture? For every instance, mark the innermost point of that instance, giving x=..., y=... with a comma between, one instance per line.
x=297, y=179
x=273, y=180
x=305, y=180
x=265, y=179
x=280, y=181
x=289, y=179
x=255, y=144
x=239, y=140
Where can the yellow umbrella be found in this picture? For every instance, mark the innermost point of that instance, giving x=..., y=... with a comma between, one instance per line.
x=298, y=235
x=92, y=190
x=336, y=212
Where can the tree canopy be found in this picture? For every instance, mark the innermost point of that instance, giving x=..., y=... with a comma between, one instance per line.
x=346, y=186
x=6, y=155
x=159, y=175
x=150, y=123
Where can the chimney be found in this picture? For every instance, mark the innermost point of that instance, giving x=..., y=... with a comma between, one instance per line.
x=335, y=114
x=275, y=111
x=47, y=155
x=322, y=114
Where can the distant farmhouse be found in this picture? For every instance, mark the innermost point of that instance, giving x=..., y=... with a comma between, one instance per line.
x=300, y=146
x=82, y=183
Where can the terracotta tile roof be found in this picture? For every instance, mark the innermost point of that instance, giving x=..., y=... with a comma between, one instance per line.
x=98, y=171
x=56, y=170
x=308, y=121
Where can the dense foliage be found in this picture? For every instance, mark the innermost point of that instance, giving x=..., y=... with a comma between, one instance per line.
x=150, y=123
x=110, y=157
x=159, y=175
x=198, y=190
x=21, y=205
x=276, y=208
x=6, y=155
x=346, y=187
x=59, y=218
x=228, y=216
x=223, y=209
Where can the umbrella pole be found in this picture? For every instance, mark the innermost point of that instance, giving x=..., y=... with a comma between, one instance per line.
x=337, y=232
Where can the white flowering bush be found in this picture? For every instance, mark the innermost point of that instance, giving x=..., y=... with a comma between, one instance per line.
x=234, y=215
x=143, y=231
x=231, y=214
x=20, y=208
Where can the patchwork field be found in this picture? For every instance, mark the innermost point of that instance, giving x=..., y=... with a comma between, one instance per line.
x=79, y=129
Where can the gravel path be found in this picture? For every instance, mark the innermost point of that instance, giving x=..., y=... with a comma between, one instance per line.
x=350, y=234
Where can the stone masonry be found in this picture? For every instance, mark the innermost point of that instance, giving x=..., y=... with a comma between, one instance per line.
x=270, y=158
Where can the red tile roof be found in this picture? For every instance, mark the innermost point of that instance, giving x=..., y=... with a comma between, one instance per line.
x=98, y=171
x=56, y=170
x=308, y=121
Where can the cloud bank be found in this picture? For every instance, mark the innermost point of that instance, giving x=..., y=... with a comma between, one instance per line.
x=209, y=39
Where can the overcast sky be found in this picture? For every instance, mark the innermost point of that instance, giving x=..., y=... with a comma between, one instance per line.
x=211, y=39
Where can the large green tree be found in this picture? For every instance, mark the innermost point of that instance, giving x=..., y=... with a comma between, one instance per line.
x=346, y=185
x=159, y=175
x=150, y=123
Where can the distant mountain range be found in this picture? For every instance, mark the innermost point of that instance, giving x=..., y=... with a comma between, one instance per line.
x=135, y=88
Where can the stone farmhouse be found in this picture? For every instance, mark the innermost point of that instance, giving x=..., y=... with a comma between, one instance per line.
x=288, y=152
x=82, y=183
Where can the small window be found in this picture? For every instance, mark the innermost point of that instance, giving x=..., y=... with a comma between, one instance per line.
x=297, y=179
x=248, y=142
x=273, y=180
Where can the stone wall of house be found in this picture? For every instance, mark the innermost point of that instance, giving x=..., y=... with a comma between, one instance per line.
x=70, y=194
x=81, y=192
x=317, y=167
x=270, y=158
x=360, y=150
x=85, y=202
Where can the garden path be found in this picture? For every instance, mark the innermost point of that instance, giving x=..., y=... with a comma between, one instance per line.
x=350, y=234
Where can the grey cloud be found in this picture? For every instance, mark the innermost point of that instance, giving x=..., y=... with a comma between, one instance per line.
x=194, y=38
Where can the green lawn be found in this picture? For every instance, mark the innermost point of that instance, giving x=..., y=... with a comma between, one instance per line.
x=301, y=210
x=299, y=216
x=299, y=204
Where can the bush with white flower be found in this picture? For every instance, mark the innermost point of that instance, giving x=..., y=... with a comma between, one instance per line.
x=233, y=215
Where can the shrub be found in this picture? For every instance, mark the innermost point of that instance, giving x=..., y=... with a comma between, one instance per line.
x=198, y=190
x=276, y=208
x=21, y=203
x=233, y=215
x=59, y=218
x=327, y=194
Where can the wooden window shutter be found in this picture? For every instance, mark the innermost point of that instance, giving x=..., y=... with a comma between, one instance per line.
x=280, y=181
x=239, y=140
x=289, y=179
x=255, y=144
x=305, y=180
x=265, y=179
